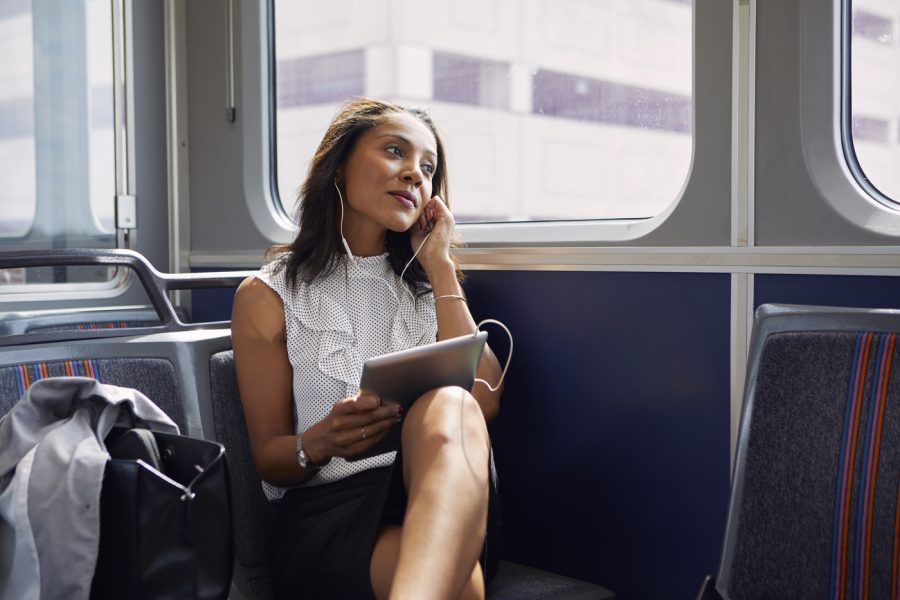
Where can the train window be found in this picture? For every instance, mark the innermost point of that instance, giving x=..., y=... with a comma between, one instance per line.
x=551, y=110
x=60, y=283
x=874, y=127
x=56, y=125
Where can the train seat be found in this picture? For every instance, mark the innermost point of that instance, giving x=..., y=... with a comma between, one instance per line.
x=153, y=377
x=148, y=346
x=252, y=515
x=814, y=502
x=170, y=368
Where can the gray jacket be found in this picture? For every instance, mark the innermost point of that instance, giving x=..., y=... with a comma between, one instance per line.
x=52, y=459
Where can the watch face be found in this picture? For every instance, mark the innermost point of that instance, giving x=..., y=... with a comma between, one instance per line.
x=302, y=459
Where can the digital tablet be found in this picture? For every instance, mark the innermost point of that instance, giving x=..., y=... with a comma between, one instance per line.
x=403, y=376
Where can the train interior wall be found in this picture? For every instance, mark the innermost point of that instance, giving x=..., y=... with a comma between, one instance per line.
x=612, y=443
x=612, y=440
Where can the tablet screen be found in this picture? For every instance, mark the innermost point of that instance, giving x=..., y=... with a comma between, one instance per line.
x=401, y=377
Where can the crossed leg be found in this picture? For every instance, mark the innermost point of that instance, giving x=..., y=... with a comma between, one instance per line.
x=445, y=471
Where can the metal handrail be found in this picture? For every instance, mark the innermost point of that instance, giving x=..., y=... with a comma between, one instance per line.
x=155, y=283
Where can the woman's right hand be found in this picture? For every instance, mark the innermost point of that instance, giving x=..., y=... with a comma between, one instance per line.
x=354, y=425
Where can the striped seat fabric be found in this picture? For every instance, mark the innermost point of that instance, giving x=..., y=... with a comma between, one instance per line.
x=855, y=569
x=87, y=325
x=154, y=377
x=816, y=498
x=28, y=374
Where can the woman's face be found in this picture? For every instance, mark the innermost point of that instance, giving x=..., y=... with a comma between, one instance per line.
x=387, y=179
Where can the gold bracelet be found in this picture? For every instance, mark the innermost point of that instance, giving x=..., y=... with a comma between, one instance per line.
x=445, y=296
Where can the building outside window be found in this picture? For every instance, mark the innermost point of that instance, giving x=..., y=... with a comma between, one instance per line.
x=875, y=92
x=550, y=109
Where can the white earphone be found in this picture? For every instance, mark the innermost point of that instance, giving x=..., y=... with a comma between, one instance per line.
x=343, y=239
x=350, y=253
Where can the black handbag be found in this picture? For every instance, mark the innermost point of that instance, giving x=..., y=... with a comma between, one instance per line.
x=165, y=518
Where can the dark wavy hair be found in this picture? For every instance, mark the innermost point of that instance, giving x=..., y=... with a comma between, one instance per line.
x=316, y=248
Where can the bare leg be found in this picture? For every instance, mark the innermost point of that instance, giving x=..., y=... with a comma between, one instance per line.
x=384, y=565
x=445, y=470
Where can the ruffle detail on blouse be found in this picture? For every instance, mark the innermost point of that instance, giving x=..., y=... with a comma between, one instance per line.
x=320, y=311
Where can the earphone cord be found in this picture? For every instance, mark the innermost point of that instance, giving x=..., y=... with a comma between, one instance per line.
x=508, y=358
x=351, y=257
x=410, y=262
x=462, y=435
x=415, y=254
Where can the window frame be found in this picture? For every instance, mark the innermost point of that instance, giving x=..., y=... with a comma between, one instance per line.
x=699, y=215
x=95, y=230
x=259, y=124
x=846, y=124
x=823, y=123
x=119, y=285
x=114, y=287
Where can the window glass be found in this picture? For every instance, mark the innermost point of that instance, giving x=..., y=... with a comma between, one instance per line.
x=875, y=92
x=550, y=109
x=16, y=121
x=56, y=135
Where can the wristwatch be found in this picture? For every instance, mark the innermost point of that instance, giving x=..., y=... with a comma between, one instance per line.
x=303, y=458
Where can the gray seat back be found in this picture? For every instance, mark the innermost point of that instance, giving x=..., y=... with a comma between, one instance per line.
x=154, y=377
x=814, y=497
x=252, y=511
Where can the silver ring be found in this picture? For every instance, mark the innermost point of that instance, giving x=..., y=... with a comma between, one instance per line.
x=364, y=432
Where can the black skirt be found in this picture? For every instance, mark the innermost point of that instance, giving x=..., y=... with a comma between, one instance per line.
x=322, y=538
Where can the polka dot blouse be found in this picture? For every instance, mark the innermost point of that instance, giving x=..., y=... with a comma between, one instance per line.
x=334, y=324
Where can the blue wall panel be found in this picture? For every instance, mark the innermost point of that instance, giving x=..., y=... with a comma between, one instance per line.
x=211, y=304
x=612, y=442
x=828, y=290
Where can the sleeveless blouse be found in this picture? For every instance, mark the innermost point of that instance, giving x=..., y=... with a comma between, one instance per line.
x=333, y=325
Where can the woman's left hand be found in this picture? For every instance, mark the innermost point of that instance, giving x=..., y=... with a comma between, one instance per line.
x=437, y=220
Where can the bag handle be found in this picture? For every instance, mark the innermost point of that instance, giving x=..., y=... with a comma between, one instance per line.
x=137, y=444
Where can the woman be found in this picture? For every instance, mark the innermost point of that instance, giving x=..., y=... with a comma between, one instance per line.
x=349, y=287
